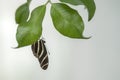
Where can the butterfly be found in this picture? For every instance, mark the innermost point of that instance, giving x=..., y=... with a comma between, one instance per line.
x=40, y=52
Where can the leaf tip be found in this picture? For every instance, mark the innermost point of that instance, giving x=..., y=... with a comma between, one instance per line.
x=15, y=47
x=86, y=37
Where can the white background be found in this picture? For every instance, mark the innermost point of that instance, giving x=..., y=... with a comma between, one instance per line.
x=70, y=59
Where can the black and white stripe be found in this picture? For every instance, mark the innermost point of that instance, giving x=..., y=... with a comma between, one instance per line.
x=40, y=52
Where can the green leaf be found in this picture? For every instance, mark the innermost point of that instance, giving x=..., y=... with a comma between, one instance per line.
x=74, y=2
x=30, y=31
x=22, y=13
x=67, y=21
x=89, y=4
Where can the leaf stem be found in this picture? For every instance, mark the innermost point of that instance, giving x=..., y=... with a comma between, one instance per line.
x=49, y=1
x=28, y=2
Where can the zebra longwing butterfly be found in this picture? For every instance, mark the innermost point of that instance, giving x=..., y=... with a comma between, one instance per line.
x=40, y=52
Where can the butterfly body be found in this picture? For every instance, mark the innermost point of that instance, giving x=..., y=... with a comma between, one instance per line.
x=41, y=53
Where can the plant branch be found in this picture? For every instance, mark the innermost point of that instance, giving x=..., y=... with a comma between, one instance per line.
x=49, y=1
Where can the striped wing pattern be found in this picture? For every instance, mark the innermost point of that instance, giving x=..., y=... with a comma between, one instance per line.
x=40, y=52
